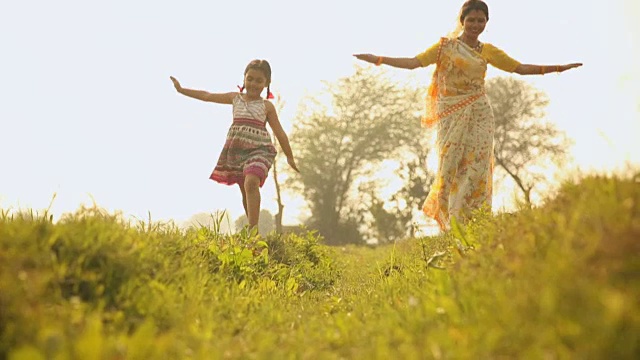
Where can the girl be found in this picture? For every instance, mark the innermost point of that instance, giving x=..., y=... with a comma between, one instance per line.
x=459, y=107
x=248, y=152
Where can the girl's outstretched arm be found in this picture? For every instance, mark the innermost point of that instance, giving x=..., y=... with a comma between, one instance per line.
x=283, y=140
x=528, y=69
x=402, y=63
x=224, y=98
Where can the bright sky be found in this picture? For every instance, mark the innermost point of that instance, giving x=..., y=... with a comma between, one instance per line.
x=88, y=110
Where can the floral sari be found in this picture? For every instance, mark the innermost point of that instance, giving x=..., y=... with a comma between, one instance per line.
x=459, y=108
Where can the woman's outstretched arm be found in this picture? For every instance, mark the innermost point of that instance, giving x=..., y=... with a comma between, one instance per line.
x=528, y=69
x=402, y=63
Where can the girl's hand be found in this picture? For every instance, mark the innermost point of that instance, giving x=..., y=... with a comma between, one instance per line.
x=292, y=163
x=176, y=83
x=367, y=57
x=569, y=66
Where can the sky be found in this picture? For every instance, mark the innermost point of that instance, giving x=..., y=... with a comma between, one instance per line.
x=88, y=112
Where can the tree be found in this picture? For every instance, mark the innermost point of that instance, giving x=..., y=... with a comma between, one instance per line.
x=524, y=144
x=417, y=181
x=393, y=218
x=371, y=119
x=387, y=225
x=265, y=223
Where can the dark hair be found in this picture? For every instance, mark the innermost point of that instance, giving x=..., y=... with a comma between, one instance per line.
x=471, y=5
x=264, y=67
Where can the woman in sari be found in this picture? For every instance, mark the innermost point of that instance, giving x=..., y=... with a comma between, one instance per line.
x=459, y=109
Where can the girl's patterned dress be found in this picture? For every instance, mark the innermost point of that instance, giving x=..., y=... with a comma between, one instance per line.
x=249, y=148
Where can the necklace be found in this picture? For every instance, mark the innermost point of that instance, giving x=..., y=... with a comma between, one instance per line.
x=477, y=47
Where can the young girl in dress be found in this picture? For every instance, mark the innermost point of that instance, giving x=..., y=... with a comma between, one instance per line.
x=248, y=152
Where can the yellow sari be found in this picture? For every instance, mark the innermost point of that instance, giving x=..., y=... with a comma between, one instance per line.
x=458, y=107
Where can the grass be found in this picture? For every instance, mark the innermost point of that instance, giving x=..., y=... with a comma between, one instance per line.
x=559, y=281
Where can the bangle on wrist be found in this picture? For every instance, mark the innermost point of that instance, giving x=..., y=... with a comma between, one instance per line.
x=379, y=62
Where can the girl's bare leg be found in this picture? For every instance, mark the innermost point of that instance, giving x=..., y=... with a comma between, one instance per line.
x=252, y=196
x=244, y=199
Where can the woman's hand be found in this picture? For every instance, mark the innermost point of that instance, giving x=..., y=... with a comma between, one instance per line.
x=292, y=162
x=367, y=57
x=562, y=68
x=176, y=83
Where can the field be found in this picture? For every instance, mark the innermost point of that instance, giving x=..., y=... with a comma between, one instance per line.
x=561, y=281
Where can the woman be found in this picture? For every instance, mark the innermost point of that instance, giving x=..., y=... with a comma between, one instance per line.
x=459, y=107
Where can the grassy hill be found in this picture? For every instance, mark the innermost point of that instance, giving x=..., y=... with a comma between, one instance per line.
x=559, y=281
